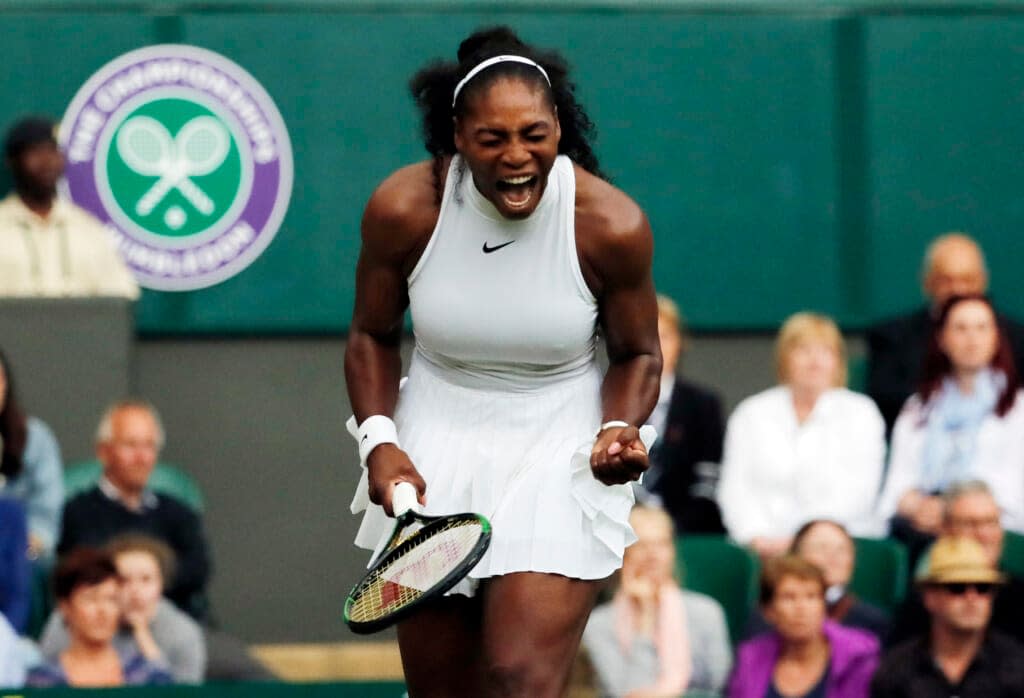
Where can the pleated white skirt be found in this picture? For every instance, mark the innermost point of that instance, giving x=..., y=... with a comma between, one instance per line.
x=522, y=460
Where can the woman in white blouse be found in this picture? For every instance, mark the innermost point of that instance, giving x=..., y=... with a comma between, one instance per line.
x=966, y=422
x=807, y=448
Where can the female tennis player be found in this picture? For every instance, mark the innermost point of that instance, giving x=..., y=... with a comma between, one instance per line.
x=511, y=251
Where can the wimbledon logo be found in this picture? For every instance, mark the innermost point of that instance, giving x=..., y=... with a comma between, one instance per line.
x=185, y=158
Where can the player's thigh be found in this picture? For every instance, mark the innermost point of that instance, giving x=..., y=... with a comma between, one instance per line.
x=440, y=647
x=532, y=624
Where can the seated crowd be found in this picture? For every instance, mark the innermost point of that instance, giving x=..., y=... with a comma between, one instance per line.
x=128, y=565
x=89, y=595
x=130, y=580
x=957, y=633
x=930, y=458
x=808, y=468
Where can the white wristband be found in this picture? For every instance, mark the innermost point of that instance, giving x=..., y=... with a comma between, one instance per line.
x=373, y=432
x=613, y=423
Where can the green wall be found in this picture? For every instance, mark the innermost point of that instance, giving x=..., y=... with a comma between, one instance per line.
x=789, y=156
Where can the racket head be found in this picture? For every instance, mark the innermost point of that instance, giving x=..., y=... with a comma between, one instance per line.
x=145, y=145
x=417, y=568
x=203, y=145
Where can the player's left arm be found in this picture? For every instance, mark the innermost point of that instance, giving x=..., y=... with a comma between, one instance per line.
x=620, y=260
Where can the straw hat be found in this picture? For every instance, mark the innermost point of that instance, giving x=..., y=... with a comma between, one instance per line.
x=954, y=560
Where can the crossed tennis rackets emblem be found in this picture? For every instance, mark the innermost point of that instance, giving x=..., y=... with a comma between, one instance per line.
x=147, y=147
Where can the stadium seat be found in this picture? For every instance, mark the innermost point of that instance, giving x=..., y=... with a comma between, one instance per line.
x=1013, y=554
x=723, y=570
x=880, y=573
x=42, y=600
x=166, y=479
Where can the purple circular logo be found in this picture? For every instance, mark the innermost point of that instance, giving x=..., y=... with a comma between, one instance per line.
x=186, y=159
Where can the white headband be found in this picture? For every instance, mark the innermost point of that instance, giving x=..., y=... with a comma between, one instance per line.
x=491, y=61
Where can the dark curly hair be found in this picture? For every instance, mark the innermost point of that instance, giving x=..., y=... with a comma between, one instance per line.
x=433, y=87
x=13, y=426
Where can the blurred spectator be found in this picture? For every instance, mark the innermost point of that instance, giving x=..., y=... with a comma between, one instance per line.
x=15, y=573
x=971, y=511
x=690, y=428
x=965, y=422
x=150, y=624
x=87, y=589
x=49, y=246
x=829, y=546
x=12, y=668
x=805, y=449
x=653, y=638
x=806, y=654
x=128, y=442
x=960, y=656
x=953, y=265
x=31, y=470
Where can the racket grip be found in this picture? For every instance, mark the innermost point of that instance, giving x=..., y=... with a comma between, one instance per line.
x=403, y=498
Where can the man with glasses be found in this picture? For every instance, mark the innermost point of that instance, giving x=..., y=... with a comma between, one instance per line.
x=971, y=511
x=959, y=655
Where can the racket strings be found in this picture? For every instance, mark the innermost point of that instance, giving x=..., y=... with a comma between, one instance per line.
x=145, y=147
x=435, y=554
x=407, y=533
x=203, y=144
x=200, y=147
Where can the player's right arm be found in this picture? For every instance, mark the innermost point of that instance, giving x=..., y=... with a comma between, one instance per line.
x=395, y=228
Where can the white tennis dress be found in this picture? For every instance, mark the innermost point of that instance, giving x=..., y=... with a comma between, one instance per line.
x=502, y=402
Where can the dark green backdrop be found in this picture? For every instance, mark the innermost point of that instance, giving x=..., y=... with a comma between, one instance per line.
x=790, y=156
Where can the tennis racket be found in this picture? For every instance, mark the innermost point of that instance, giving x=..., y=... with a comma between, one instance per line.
x=146, y=146
x=425, y=557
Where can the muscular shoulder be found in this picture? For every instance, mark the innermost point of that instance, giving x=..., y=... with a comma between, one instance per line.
x=402, y=209
x=612, y=231
x=607, y=213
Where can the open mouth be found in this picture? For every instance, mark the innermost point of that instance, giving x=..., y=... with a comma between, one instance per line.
x=517, y=192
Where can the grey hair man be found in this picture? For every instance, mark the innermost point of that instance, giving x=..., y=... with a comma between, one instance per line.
x=129, y=438
x=971, y=511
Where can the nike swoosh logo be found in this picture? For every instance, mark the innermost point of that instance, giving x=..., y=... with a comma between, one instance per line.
x=488, y=250
x=365, y=437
